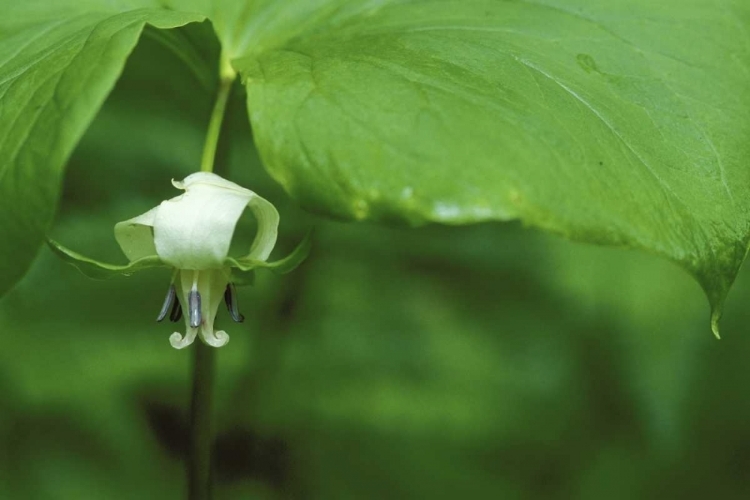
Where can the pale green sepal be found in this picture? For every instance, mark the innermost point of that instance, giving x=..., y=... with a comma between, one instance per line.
x=100, y=270
x=243, y=278
x=282, y=266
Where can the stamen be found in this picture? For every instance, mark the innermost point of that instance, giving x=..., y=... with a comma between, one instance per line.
x=176, y=313
x=194, y=300
x=194, y=303
x=168, y=302
x=230, y=298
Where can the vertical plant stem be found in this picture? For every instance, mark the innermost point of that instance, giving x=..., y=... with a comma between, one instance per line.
x=217, y=116
x=204, y=359
x=201, y=435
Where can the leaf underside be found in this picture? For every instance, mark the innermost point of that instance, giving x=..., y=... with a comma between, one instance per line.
x=620, y=122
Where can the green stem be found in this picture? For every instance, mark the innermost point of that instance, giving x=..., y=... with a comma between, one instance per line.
x=217, y=116
x=204, y=360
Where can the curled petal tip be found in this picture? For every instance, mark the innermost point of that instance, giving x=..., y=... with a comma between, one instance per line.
x=216, y=339
x=180, y=342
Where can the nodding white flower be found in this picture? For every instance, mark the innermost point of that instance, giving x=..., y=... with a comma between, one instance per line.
x=192, y=233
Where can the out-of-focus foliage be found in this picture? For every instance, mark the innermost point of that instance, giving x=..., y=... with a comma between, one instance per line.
x=478, y=362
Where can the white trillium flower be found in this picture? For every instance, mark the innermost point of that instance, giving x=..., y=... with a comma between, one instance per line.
x=192, y=234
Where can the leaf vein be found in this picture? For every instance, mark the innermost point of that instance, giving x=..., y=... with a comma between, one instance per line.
x=664, y=185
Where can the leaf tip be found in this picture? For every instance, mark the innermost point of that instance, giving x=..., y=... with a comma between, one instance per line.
x=715, y=317
x=715, y=328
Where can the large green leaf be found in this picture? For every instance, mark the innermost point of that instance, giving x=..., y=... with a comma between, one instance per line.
x=58, y=62
x=618, y=122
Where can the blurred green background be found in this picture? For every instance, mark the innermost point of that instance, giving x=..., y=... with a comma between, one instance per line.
x=489, y=361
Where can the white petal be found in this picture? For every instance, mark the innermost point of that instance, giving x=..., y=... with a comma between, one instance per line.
x=194, y=230
x=211, y=285
x=212, y=289
x=216, y=339
x=179, y=342
x=136, y=235
x=206, y=178
x=268, y=225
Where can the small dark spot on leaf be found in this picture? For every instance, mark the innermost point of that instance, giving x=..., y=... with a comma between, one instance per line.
x=587, y=62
